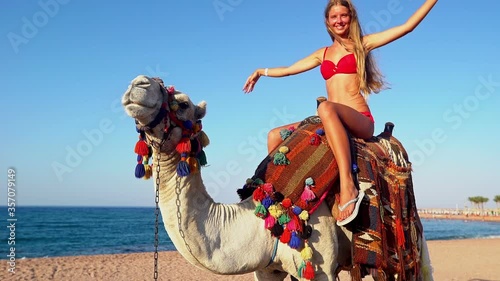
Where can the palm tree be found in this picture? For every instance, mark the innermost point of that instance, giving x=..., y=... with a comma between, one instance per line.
x=497, y=200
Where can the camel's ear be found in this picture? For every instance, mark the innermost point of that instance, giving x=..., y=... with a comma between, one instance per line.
x=200, y=110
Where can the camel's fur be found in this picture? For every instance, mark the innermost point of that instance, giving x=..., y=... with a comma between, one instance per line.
x=224, y=238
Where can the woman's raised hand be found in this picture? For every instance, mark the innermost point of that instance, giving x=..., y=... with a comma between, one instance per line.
x=250, y=83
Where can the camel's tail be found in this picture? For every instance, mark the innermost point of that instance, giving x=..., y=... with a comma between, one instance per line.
x=425, y=261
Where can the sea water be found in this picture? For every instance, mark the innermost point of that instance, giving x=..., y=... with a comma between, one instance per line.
x=70, y=231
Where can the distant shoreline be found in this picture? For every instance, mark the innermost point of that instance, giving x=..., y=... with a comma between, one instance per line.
x=485, y=218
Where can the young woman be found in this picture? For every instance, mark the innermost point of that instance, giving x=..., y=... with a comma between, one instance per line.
x=350, y=75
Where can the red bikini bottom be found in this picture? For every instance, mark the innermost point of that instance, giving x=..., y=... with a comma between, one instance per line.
x=369, y=115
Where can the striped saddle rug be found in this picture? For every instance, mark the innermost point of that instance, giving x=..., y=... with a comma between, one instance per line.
x=387, y=231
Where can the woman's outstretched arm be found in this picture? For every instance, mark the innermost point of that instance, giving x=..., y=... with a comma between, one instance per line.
x=375, y=40
x=300, y=66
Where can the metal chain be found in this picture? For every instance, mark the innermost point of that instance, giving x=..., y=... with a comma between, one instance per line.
x=178, y=190
x=157, y=212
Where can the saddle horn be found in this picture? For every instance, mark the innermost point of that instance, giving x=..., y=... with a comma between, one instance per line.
x=387, y=133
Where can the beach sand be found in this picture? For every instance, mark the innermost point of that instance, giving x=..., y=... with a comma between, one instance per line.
x=472, y=259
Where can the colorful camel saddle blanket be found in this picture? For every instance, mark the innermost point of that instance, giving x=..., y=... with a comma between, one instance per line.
x=387, y=230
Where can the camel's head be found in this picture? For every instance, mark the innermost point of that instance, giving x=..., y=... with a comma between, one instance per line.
x=163, y=115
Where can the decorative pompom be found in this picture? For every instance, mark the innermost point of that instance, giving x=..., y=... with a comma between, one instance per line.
x=315, y=139
x=278, y=197
x=300, y=270
x=139, y=170
x=202, y=157
x=260, y=211
x=306, y=232
x=309, y=181
x=269, y=222
x=285, y=133
x=195, y=145
x=320, y=132
x=304, y=215
x=267, y=202
x=286, y=203
x=276, y=230
x=141, y=148
x=296, y=210
x=187, y=124
x=307, y=195
x=306, y=253
x=308, y=272
x=203, y=138
x=184, y=145
x=285, y=237
x=148, y=171
x=355, y=168
x=183, y=168
x=268, y=188
x=275, y=210
x=283, y=219
x=170, y=89
x=292, y=225
x=258, y=181
x=280, y=158
x=294, y=241
x=258, y=194
x=194, y=165
x=291, y=128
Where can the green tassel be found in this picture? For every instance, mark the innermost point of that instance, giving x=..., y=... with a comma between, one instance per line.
x=285, y=218
x=202, y=157
x=280, y=159
x=301, y=269
x=260, y=211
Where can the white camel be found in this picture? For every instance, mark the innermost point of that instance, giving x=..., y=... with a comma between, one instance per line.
x=227, y=239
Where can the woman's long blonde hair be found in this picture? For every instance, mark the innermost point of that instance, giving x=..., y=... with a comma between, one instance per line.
x=370, y=78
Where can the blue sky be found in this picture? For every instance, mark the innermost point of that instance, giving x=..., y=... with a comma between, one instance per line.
x=66, y=63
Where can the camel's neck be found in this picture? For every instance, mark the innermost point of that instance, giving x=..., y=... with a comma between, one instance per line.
x=206, y=233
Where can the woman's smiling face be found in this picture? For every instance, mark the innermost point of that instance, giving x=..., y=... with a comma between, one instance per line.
x=339, y=20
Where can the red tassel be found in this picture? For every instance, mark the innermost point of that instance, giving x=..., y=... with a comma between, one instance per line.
x=308, y=271
x=141, y=148
x=184, y=145
x=285, y=237
x=400, y=234
x=258, y=194
x=286, y=203
x=315, y=139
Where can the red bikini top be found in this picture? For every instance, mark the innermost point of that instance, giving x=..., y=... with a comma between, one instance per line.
x=346, y=65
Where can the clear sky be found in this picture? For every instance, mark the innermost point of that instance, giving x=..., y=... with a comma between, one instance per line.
x=66, y=63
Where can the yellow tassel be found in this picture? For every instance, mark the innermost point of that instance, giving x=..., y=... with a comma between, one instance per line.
x=276, y=211
x=306, y=253
x=304, y=215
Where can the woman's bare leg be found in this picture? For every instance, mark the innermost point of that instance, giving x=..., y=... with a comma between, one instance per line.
x=274, y=136
x=338, y=118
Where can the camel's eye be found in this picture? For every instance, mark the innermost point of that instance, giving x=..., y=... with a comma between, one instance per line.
x=184, y=105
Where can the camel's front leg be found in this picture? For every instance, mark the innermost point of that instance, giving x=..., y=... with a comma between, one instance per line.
x=269, y=275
